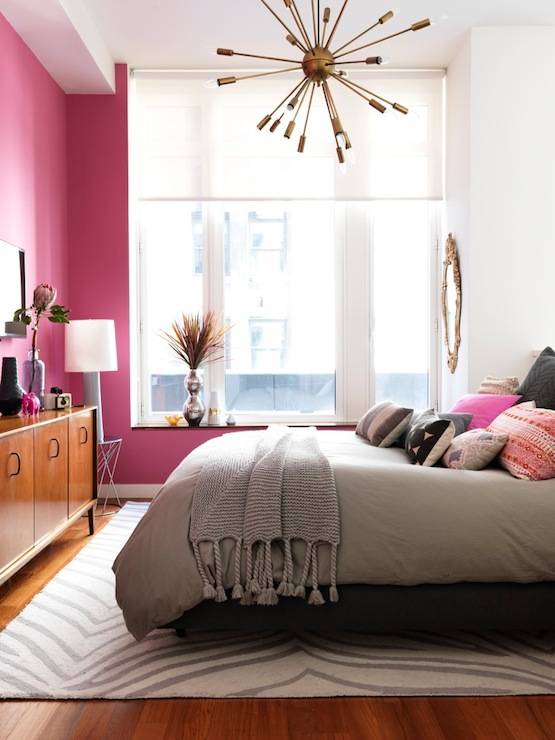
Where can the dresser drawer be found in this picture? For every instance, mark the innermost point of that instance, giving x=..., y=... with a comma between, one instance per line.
x=16, y=496
x=51, y=477
x=82, y=459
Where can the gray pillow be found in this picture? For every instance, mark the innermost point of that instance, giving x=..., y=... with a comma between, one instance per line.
x=539, y=384
x=384, y=423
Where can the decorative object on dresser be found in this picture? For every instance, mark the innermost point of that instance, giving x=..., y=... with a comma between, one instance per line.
x=91, y=349
x=47, y=481
x=43, y=306
x=451, y=302
x=11, y=393
x=196, y=340
x=539, y=384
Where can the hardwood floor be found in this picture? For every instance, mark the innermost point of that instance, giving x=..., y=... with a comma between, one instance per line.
x=504, y=718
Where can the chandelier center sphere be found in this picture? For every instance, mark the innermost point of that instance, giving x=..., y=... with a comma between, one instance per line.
x=318, y=64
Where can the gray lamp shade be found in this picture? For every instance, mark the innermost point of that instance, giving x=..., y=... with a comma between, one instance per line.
x=91, y=346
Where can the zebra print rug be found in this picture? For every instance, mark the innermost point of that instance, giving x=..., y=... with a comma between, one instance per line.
x=71, y=642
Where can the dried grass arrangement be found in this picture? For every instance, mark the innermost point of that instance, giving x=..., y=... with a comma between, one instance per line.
x=197, y=339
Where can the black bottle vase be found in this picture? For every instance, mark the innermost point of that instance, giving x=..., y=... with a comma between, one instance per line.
x=11, y=393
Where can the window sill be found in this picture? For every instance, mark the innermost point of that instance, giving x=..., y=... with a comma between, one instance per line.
x=259, y=425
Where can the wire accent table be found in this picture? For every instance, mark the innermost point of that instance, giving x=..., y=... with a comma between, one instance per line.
x=107, y=455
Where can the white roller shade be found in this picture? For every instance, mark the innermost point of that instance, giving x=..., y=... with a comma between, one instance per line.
x=196, y=143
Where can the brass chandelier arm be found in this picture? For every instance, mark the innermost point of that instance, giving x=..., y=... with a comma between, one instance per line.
x=289, y=31
x=315, y=29
x=349, y=86
x=286, y=98
x=355, y=38
x=230, y=80
x=368, y=60
x=256, y=56
x=309, y=107
x=303, y=96
x=415, y=27
x=333, y=30
x=352, y=85
x=299, y=21
x=325, y=21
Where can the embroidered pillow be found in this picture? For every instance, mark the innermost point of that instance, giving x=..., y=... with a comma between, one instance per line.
x=384, y=423
x=484, y=407
x=428, y=440
x=498, y=386
x=539, y=384
x=474, y=450
x=530, y=452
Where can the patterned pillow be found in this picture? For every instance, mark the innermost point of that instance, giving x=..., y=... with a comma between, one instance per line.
x=539, y=384
x=474, y=450
x=384, y=423
x=499, y=386
x=530, y=452
x=429, y=439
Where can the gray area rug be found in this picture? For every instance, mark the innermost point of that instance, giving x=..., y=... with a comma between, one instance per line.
x=71, y=642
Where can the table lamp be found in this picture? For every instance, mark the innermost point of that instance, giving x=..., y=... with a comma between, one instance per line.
x=91, y=349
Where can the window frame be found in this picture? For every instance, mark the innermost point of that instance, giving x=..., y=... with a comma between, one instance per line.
x=354, y=315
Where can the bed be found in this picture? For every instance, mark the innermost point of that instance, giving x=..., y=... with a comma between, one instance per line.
x=421, y=548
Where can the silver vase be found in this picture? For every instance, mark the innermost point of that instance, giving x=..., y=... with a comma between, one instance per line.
x=194, y=408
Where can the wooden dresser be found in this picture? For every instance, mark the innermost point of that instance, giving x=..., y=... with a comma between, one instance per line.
x=47, y=481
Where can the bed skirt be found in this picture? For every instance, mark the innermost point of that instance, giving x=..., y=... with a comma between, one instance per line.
x=460, y=606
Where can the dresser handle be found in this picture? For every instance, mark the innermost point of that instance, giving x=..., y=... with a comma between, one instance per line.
x=84, y=441
x=18, y=471
x=52, y=457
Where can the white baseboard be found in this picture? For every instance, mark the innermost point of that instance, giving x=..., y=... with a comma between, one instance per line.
x=131, y=490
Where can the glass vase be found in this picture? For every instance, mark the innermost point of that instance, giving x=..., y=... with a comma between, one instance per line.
x=33, y=375
x=194, y=407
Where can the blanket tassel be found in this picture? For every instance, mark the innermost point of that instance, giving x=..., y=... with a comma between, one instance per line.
x=300, y=591
x=208, y=590
x=220, y=591
x=334, y=595
x=315, y=598
x=237, y=592
x=269, y=596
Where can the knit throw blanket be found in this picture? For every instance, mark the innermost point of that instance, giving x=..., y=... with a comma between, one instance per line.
x=276, y=490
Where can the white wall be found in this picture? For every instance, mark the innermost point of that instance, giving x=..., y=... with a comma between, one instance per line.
x=457, y=198
x=505, y=225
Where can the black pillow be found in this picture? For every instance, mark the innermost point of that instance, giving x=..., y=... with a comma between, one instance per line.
x=429, y=439
x=461, y=423
x=539, y=384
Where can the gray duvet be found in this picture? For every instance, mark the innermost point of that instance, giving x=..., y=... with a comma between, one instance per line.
x=400, y=524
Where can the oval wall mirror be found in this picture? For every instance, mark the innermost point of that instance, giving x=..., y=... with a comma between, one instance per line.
x=451, y=300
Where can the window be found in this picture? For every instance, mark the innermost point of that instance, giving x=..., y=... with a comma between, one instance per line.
x=330, y=301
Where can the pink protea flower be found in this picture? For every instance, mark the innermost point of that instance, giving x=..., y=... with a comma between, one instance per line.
x=44, y=296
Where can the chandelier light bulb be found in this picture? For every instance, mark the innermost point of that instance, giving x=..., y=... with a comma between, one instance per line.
x=211, y=84
x=320, y=57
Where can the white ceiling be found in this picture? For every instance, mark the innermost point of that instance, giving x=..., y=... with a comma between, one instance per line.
x=184, y=33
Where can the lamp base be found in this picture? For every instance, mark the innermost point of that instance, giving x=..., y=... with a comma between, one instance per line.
x=91, y=389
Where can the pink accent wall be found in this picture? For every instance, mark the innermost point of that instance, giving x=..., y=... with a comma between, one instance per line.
x=99, y=272
x=33, y=185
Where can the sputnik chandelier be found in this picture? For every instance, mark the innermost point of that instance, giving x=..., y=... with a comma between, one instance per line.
x=319, y=65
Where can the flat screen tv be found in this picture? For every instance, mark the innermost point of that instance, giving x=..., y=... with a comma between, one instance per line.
x=12, y=288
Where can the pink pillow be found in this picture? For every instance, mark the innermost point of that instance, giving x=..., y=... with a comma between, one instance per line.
x=530, y=452
x=484, y=407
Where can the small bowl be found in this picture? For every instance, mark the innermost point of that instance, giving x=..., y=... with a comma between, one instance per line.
x=173, y=421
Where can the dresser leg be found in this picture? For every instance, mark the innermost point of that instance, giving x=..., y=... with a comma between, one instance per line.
x=90, y=514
